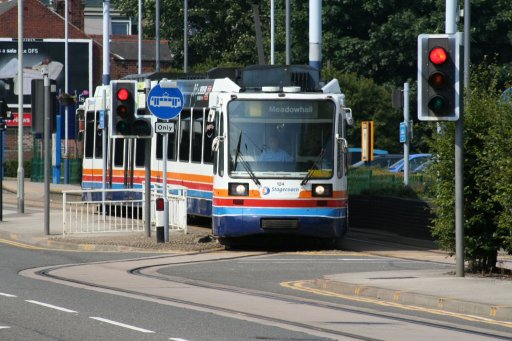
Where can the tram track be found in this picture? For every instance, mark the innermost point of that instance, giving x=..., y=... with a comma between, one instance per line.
x=150, y=271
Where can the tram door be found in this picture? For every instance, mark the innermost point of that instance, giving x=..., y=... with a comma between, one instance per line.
x=93, y=149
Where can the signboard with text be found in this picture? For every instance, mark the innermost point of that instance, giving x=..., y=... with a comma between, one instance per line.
x=38, y=53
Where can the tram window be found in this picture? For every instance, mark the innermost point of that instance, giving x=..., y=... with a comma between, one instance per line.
x=140, y=152
x=159, y=147
x=208, y=153
x=89, y=134
x=184, y=136
x=197, y=135
x=118, y=152
x=98, y=152
x=172, y=146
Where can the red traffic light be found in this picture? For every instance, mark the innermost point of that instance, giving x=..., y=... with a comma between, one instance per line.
x=438, y=55
x=123, y=94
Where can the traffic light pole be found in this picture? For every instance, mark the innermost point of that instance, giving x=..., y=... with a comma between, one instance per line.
x=450, y=28
x=147, y=175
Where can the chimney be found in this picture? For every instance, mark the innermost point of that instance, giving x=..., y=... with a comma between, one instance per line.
x=76, y=11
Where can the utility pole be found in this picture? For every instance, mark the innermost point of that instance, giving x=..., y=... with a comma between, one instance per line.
x=47, y=150
x=21, y=171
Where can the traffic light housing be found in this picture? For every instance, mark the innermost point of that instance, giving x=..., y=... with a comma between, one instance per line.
x=127, y=120
x=439, y=77
x=123, y=95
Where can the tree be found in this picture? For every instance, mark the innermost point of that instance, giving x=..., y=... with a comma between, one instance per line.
x=369, y=101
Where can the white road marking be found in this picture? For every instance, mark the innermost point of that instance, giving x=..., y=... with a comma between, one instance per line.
x=121, y=324
x=177, y=339
x=7, y=295
x=4, y=327
x=51, y=306
x=332, y=260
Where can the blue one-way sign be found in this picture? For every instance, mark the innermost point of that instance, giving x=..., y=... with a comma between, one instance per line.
x=165, y=103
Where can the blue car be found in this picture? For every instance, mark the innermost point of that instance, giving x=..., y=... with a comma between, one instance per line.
x=415, y=160
x=354, y=154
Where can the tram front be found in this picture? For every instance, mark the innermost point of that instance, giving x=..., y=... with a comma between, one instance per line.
x=280, y=166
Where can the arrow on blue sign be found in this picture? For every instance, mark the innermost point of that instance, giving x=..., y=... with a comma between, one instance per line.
x=165, y=103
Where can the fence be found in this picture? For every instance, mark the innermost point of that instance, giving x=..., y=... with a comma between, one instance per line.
x=177, y=196
x=85, y=211
x=365, y=179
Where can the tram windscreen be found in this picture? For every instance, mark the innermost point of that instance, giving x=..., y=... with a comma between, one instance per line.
x=281, y=138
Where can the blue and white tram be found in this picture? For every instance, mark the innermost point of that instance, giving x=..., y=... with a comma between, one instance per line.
x=220, y=151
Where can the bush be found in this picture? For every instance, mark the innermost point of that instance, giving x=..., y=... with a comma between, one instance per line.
x=487, y=175
x=11, y=168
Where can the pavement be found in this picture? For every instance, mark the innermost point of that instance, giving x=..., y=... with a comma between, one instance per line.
x=485, y=297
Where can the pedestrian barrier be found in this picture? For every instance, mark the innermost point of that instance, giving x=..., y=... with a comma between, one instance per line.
x=117, y=210
x=177, y=196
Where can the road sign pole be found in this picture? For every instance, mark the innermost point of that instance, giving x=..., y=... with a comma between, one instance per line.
x=407, y=136
x=165, y=101
x=166, y=200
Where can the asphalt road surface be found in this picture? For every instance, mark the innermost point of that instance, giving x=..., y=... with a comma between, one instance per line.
x=241, y=295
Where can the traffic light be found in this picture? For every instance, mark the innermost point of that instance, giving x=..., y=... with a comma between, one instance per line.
x=126, y=119
x=439, y=77
x=123, y=106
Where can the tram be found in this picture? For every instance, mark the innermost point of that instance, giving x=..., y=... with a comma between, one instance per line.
x=261, y=151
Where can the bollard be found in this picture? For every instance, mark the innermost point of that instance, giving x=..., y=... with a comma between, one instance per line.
x=160, y=231
x=160, y=237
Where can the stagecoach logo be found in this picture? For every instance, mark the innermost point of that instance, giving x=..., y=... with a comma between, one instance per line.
x=265, y=190
x=279, y=190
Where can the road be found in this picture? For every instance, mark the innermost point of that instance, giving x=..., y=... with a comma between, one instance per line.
x=57, y=295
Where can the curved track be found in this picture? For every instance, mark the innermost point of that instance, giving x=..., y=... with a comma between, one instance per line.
x=139, y=278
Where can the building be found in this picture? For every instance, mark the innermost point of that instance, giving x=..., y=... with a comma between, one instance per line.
x=45, y=21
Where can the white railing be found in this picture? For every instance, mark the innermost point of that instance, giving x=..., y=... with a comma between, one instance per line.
x=177, y=196
x=84, y=212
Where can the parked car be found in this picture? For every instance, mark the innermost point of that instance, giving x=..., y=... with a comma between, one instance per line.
x=382, y=161
x=354, y=154
x=422, y=166
x=415, y=160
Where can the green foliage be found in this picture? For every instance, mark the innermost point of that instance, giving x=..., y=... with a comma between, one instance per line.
x=11, y=168
x=487, y=180
x=372, y=38
x=369, y=101
x=380, y=182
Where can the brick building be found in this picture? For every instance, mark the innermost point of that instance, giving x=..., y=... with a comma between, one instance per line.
x=46, y=21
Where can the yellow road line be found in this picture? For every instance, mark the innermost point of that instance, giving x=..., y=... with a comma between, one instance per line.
x=21, y=245
x=301, y=285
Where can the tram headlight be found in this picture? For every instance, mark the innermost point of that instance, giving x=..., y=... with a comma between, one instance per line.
x=238, y=189
x=321, y=190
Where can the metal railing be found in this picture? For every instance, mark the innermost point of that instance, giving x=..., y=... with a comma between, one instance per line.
x=177, y=196
x=365, y=179
x=84, y=212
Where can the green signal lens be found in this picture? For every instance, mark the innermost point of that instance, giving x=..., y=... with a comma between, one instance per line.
x=437, y=104
x=122, y=127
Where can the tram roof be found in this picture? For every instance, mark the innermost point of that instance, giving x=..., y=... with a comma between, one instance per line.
x=251, y=78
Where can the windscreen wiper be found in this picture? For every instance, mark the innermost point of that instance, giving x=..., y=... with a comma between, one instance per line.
x=313, y=168
x=244, y=163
